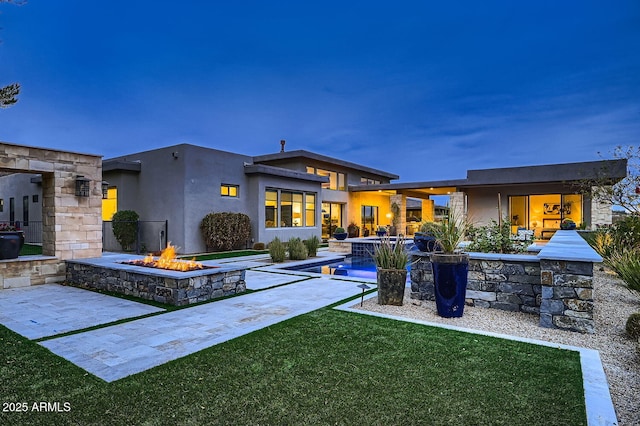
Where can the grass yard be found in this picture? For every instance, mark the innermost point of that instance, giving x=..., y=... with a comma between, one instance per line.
x=325, y=367
x=30, y=250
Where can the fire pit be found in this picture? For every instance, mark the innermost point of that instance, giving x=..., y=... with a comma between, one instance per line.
x=145, y=279
x=168, y=260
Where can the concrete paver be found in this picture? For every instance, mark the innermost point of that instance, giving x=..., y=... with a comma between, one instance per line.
x=50, y=309
x=114, y=352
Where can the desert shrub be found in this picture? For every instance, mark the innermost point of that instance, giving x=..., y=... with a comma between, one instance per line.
x=601, y=241
x=225, y=231
x=633, y=326
x=390, y=255
x=626, y=264
x=297, y=249
x=277, y=250
x=125, y=228
x=626, y=232
x=494, y=238
x=258, y=246
x=312, y=245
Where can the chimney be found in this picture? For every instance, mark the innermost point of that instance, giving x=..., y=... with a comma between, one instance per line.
x=282, y=142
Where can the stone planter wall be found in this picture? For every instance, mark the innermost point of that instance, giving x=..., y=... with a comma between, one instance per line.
x=30, y=270
x=557, y=284
x=501, y=283
x=174, y=288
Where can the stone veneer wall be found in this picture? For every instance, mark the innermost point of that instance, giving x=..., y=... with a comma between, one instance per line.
x=505, y=283
x=557, y=284
x=31, y=270
x=71, y=225
x=173, y=288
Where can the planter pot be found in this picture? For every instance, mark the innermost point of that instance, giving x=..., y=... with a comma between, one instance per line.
x=568, y=226
x=450, y=281
x=424, y=242
x=391, y=285
x=353, y=231
x=381, y=233
x=10, y=244
x=340, y=236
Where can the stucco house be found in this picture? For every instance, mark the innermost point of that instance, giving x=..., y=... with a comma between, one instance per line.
x=301, y=193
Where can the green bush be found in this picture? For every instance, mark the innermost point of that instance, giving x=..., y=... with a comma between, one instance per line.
x=626, y=232
x=225, y=231
x=125, y=228
x=312, y=245
x=277, y=250
x=494, y=238
x=626, y=264
x=388, y=255
x=297, y=249
x=633, y=326
x=258, y=246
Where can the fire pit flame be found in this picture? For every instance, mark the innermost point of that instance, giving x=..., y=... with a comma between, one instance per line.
x=168, y=260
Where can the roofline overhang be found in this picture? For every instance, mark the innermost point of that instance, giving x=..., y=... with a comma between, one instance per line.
x=322, y=158
x=121, y=165
x=263, y=169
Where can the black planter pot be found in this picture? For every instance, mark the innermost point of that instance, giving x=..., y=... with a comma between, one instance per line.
x=425, y=242
x=340, y=236
x=10, y=244
x=450, y=280
x=391, y=285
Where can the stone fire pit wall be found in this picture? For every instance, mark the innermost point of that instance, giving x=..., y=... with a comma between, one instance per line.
x=556, y=284
x=171, y=287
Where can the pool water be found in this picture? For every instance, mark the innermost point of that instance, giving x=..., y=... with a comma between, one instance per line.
x=359, y=267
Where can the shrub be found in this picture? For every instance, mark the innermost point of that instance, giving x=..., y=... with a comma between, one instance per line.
x=626, y=232
x=494, y=238
x=633, y=326
x=312, y=245
x=339, y=230
x=388, y=255
x=626, y=264
x=225, y=231
x=125, y=228
x=277, y=250
x=258, y=246
x=297, y=249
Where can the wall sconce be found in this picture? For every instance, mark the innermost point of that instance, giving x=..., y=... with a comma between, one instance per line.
x=105, y=189
x=82, y=186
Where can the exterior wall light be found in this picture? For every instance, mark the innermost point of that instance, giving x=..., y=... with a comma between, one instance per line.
x=82, y=186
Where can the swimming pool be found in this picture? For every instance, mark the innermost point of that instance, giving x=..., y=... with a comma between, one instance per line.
x=359, y=267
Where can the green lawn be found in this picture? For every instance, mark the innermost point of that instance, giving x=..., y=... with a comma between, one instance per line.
x=30, y=250
x=325, y=367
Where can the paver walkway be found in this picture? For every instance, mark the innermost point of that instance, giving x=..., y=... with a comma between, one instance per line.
x=50, y=309
x=114, y=352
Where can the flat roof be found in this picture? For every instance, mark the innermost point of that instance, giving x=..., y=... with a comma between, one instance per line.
x=300, y=153
x=614, y=170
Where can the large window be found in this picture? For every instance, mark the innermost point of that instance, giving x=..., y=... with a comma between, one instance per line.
x=369, y=217
x=331, y=218
x=543, y=213
x=286, y=209
x=369, y=181
x=336, y=180
x=12, y=210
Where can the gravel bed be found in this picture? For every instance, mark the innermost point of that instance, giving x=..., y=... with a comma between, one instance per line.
x=613, y=305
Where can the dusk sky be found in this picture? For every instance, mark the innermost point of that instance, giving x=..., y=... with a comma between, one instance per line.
x=422, y=89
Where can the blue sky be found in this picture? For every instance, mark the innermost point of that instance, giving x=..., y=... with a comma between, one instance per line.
x=422, y=89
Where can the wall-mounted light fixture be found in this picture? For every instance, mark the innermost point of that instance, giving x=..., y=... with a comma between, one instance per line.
x=105, y=189
x=82, y=186
x=175, y=155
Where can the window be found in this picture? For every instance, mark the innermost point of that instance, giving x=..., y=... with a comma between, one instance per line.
x=25, y=210
x=336, y=180
x=370, y=217
x=1, y=204
x=12, y=210
x=369, y=181
x=34, y=198
x=286, y=209
x=229, y=190
x=110, y=204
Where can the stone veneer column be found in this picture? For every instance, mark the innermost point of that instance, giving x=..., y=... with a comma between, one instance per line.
x=600, y=212
x=401, y=200
x=457, y=204
x=566, y=275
